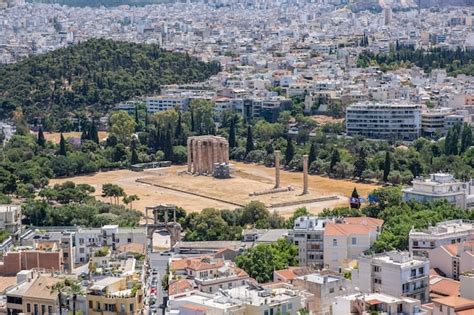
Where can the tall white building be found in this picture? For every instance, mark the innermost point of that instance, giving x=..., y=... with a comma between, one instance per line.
x=394, y=273
x=421, y=242
x=397, y=121
x=438, y=187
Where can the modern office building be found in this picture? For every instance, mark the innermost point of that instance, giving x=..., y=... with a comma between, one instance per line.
x=421, y=242
x=397, y=121
x=394, y=273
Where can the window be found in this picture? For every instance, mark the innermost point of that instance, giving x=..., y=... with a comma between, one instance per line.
x=354, y=241
x=415, y=243
x=420, y=270
x=377, y=269
x=453, y=241
x=50, y=310
x=266, y=312
x=129, y=240
x=98, y=306
x=28, y=307
x=331, y=290
x=334, y=242
x=43, y=309
x=131, y=307
x=122, y=308
x=81, y=250
x=290, y=306
x=413, y=272
x=91, y=304
x=210, y=289
x=35, y=309
x=65, y=255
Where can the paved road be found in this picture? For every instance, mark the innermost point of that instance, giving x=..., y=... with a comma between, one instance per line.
x=159, y=263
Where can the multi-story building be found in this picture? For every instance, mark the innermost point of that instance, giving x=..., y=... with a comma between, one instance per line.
x=453, y=260
x=440, y=120
x=10, y=220
x=324, y=288
x=208, y=274
x=439, y=186
x=165, y=102
x=346, y=239
x=248, y=300
x=376, y=303
x=45, y=256
x=394, y=273
x=396, y=121
x=32, y=294
x=421, y=242
x=88, y=240
x=326, y=242
x=114, y=295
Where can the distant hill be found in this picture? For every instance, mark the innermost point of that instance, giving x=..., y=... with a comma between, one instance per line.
x=93, y=76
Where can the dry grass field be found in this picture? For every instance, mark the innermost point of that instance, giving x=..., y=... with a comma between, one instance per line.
x=194, y=193
x=56, y=136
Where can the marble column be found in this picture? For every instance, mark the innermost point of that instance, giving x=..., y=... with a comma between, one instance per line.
x=210, y=165
x=305, y=174
x=189, y=147
x=277, y=168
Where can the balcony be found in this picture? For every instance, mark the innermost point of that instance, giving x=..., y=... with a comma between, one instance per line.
x=416, y=277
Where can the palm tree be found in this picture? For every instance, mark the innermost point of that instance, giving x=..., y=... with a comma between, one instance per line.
x=68, y=287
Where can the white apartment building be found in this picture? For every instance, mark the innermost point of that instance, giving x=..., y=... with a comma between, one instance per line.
x=384, y=120
x=324, y=289
x=308, y=235
x=245, y=300
x=87, y=240
x=346, y=241
x=380, y=303
x=10, y=219
x=421, y=242
x=438, y=186
x=453, y=260
x=327, y=242
x=165, y=102
x=394, y=273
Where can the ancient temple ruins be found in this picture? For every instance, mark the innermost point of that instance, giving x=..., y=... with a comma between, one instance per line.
x=205, y=152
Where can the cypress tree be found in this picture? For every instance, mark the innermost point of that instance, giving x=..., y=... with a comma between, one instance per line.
x=466, y=138
x=360, y=164
x=93, y=133
x=335, y=158
x=232, y=143
x=249, y=145
x=62, y=146
x=290, y=151
x=146, y=117
x=137, y=120
x=41, y=140
x=179, y=130
x=134, y=159
x=386, y=166
x=312, y=154
x=192, y=121
x=168, y=146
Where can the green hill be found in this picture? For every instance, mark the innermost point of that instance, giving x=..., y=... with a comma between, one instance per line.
x=93, y=76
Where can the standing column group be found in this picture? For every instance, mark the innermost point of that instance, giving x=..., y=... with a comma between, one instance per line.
x=204, y=152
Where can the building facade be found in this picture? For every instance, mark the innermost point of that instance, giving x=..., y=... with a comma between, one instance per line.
x=396, y=121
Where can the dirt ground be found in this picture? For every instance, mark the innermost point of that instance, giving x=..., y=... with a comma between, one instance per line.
x=194, y=193
x=56, y=136
x=323, y=119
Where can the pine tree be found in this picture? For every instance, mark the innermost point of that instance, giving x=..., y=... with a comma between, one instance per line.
x=62, y=146
x=41, y=140
x=232, y=143
x=360, y=165
x=84, y=134
x=386, y=166
x=335, y=158
x=466, y=138
x=134, y=159
x=249, y=145
x=93, y=133
x=312, y=153
x=290, y=151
